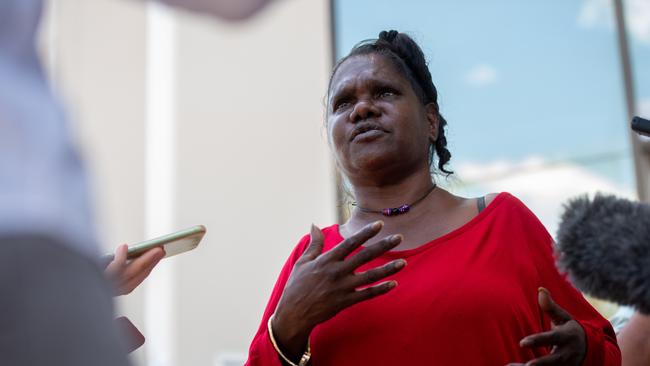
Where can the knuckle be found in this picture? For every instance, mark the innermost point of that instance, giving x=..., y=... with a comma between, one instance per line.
x=359, y=236
x=366, y=230
x=388, y=270
x=344, y=247
x=372, y=276
x=379, y=248
x=368, y=294
x=362, y=257
x=317, y=270
x=378, y=290
x=372, y=252
x=319, y=261
x=344, y=243
x=310, y=269
x=307, y=264
x=533, y=341
x=364, y=234
x=388, y=243
x=365, y=294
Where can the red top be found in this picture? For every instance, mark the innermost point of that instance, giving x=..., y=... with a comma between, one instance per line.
x=466, y=298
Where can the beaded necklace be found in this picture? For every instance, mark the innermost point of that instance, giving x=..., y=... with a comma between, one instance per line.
x=394, y=211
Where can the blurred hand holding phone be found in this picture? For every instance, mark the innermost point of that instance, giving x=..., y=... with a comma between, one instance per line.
x=129, y=266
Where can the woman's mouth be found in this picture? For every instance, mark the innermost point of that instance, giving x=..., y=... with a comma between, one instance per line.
x=368, y=136
x=366, y=132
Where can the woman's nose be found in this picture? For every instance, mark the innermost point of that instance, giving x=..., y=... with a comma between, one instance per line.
x=362, y=110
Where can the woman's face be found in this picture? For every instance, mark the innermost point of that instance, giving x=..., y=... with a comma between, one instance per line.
x=376, y=122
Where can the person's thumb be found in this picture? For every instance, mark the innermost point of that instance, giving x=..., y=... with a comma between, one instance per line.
x=550, y=307
x=315, y=247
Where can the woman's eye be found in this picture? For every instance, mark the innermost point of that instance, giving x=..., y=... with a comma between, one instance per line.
x=341, y=106
x=386, y=94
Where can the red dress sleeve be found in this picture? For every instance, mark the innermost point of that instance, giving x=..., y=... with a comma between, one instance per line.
x=262, y=352
x=602, y=348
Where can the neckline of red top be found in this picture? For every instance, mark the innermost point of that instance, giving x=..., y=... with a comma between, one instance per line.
x=468, y=225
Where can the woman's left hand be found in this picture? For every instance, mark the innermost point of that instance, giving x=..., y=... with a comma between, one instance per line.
x=566, y=338
x=126, y=274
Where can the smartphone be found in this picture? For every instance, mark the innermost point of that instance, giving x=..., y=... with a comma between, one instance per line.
x=641, y=126
x=133, y=339
x=174, y=243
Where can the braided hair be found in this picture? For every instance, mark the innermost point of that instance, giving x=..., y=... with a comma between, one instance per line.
x=407, y=56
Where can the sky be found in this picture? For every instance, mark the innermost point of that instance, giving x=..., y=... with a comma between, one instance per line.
x=528, y=87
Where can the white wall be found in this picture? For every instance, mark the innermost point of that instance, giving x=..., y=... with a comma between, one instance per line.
x=250, y=158
x=253, y=164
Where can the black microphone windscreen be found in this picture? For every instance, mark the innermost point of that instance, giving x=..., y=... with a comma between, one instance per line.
x=604, y=245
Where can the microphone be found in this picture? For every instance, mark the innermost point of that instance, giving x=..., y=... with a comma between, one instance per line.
x=604, y=246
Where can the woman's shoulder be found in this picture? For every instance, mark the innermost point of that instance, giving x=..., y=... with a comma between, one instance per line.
x=516, y=210
x=509, y=206
x=489, y=200
x=514, y=203
x=505, y=198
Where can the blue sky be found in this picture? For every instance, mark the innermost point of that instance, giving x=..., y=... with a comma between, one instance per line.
x=519, y=78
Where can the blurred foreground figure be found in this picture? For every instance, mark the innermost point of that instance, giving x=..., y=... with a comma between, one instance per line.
x=55, y=303
x=227, y=9
x=604, y=245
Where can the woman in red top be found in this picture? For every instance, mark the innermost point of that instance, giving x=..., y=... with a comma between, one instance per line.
x=469, y=294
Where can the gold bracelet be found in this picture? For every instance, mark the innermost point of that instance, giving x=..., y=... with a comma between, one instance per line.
x=304, y=360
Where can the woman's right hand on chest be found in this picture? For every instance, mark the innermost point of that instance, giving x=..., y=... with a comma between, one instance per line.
x=323, y=284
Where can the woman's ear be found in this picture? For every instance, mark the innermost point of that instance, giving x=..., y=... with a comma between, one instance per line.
x=433, y=117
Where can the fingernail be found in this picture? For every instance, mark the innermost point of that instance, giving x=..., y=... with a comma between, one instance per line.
x=524, y=342
x=400, y=263
x=396, y=238
x=377, y=225
x=392, y=284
